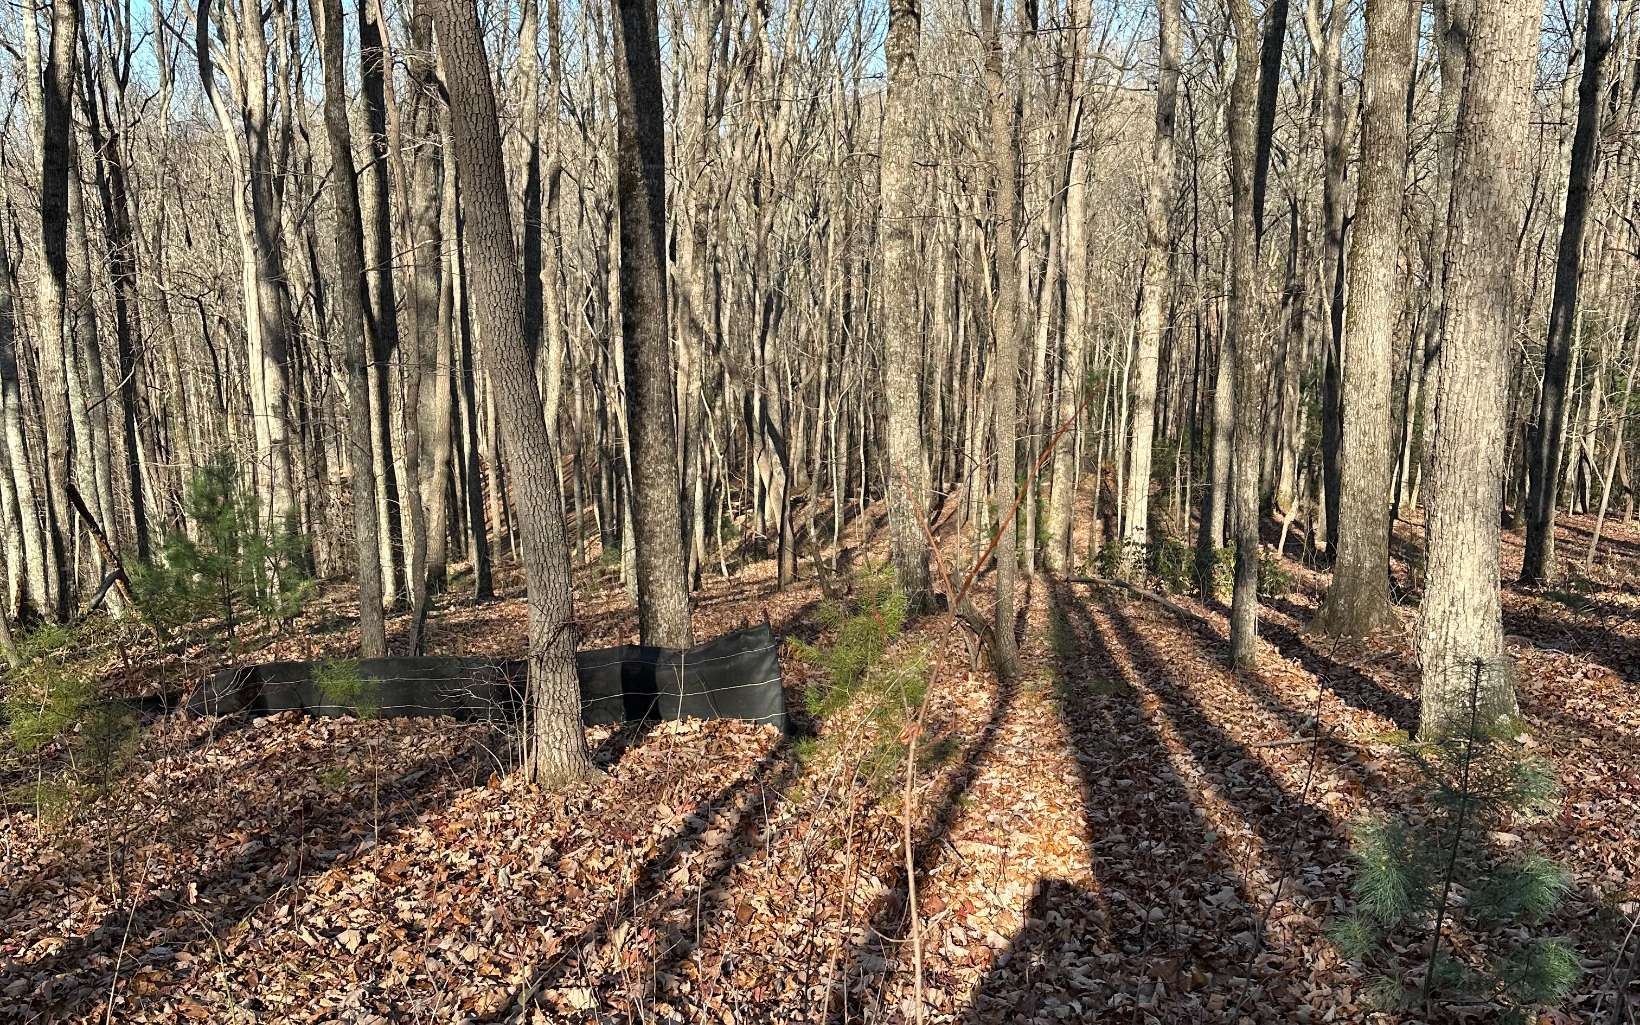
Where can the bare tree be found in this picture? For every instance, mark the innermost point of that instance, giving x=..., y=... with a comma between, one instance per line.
x=1004, y=155
x=1357, y=600
x=1243, y=340
x=349, y=245
x=1154, y=293
x=556, y=752
x=1461, y=617
x=663, y=586
x=1549, y=433
x=908, y=486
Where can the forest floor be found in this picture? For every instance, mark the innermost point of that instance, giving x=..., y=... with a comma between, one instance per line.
x=1117, y=835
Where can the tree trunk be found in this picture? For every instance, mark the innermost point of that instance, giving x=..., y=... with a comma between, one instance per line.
x=1244, y=340
x=381, y=309
x=1153, y=297
x=908, y=483
x=53, y=141
x=1461, y=617
x=662, y=578
x=1073, y=358
x=556, y=751
x=1005, y=327
x=1549, y=434
x=1357, y=600
x=349, y=249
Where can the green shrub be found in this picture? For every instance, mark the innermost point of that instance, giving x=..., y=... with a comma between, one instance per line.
x=1173, y=563
x=52, y=712
x=341, y=682
x=235, y=565
x=1412, y=868
x=1273, y=579
x=861, y=674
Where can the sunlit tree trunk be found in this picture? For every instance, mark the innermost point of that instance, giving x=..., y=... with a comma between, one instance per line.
x=1153, y=297
x=1244, y=340
x=908, y=484
x=349, y=319
x=1004, y=156
x=1357, y=601
x=1461, y=617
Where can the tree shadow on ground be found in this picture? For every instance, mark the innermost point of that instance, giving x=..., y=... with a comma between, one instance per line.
x=1618, y=652
x=1611, y=545
x=1364, y=693
x=870, y=965
x=743, y=806
x=1172, y=916
x=284, y=846
x=1357, y=689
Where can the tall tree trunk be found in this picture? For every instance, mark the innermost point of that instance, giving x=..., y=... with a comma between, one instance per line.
x=908, y=483
x=1549, y=434
x=1244, y=340
x=1462, y=623
x=30, y=579
x=1073, y=359
x=556, y=751
x=381, y=309
x=663, y=583
x=1357, y=600
x=349, y=293
x=1153, y=296
x=53, y=141
x=433, y=307
x=1005, y=327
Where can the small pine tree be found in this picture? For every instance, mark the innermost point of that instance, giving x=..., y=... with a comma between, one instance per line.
x=235, y=565
x=881, y=689
x=1445, y=911
x=50, y=707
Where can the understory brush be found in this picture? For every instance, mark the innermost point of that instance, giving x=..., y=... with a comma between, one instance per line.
x=1449, y=901
x=872, y=681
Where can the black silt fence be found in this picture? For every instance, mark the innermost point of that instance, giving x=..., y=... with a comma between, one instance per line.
x=736, y=676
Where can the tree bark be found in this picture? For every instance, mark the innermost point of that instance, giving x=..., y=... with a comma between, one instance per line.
x=908, y=481
x=53, y=140
x=1549, y=432
x=1358, y=601
x=348, y=239
x=556, y=750
x=1153, y=296
x=1461, y=615
x=1244, y=341
x=1005, y=326
x=663, y=584
x=381, y=301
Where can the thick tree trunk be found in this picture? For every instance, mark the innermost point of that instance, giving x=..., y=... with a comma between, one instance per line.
x=1153, y=297
x=348, y=301
x=908, y=483
x=1357, y=600
x=1461, y=617
x=663, y=584
x=556, y=752
x=1549, y=434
